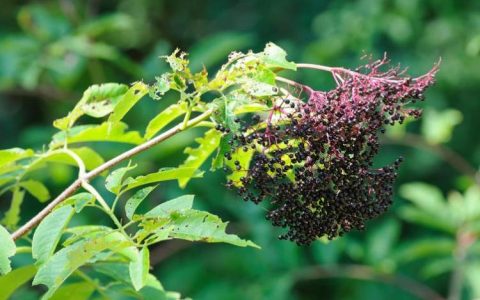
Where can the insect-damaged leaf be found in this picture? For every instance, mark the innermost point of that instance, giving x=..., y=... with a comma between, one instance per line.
x=7, y=249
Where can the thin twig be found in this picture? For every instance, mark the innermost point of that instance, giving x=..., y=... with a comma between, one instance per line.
x=27, y=227
x=362, y=272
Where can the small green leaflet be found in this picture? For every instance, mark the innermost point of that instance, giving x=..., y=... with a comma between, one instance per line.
x=132, y=203
x=7, y=249
x=114, y=181
x=8, y=156
x=175, y=205
x=36, y=189
x=12, y=216
x=105, y=132
x=128, y=100
x=162, y=175
x=161, y=86
x=48, y=233
x=275, y=57
x=139, y=268
x=63, y=263
x=15, y=279
x=197, y=156
x=164, y=118
x=97, y=101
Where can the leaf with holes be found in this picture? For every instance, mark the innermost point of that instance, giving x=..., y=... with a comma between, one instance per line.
x=12, y=216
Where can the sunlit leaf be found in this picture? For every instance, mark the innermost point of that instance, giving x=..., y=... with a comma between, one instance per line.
x=7, y=249
x=164, y=118
x=106, y=132
x=197, y=156
x=128, y=100
x=36, y=189
x=275, y=57
x=8, y=156
x=244, y=158
x=97, y=101
x=426, y=197
x=48, y=233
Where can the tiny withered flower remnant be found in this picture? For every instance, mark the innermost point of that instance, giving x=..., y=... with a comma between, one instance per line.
x=313, y=160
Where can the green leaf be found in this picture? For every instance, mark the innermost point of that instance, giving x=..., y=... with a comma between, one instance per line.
x=196, y=157
x=105, y=132
x=194, y=225
x=63, y=263
x=244, y=157
x=128, y=100
x=437, y=127
x=178, y=204
x=164, y=118
x=9, y=156
x=139, y=268
x=79, y=201
x=260, y=89
x=36, y=189
x=12, y=216
x=48, y=233
x=275, y=57
x=161, y=86
x=97, y=101
x=381, y=240
x=7, y=249
x=415, y=215
x=114, y=180
x=15, y=279
x=132, y=203
x=162, y=175
x=90, y=158
x=424, y=248
x=75, y=291
x=426, y=197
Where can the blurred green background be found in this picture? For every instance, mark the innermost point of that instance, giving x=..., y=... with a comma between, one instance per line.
x=50, y=51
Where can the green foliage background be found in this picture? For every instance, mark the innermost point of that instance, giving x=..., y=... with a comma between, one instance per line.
x=50, y=51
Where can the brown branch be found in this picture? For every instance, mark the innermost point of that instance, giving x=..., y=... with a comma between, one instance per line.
x=361, y=272
x=27, y=227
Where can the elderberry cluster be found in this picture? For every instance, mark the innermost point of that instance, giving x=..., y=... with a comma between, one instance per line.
x=313, y=160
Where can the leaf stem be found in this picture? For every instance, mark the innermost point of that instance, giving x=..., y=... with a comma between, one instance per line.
x=27, y=227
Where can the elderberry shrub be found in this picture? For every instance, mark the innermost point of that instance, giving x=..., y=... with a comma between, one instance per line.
x=313, y=159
